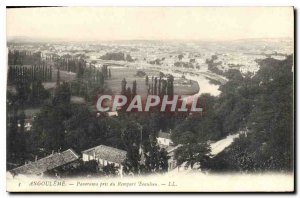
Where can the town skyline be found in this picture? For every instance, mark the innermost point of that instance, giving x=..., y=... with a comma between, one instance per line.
x=21, y=39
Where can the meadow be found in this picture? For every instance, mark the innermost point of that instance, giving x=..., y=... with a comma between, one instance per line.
x=181, y=85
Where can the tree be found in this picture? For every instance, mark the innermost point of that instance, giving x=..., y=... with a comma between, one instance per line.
x=180, y=57
x=90, y=167
x=80, y=71
x=170, y=86
x=155, y=86
x=131, y=164
x=156, y=158
x=62, y=95
x=147, y=80
x=129, y=58
x=110, y=170
x=38, y=92
x=159, y=86
x=109, y=74
x=23, y=91
x=272, y=121
x=191, y=151
x=104, y=71
x=152, y=89
x=163, y=87
x=44, y=135
x=131, y=139
x=58, y=77
x=128, y=93
x=161, y=75
x=123, y=86
x=118, y=56
x=133, y=88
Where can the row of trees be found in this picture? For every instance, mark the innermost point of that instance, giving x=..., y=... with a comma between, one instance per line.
x=128, y=91
x=160, y=86
x=71, y=64
x=106, y=72
x=29, y=74
x=117, y=56
x=90, y=83
x=17, y=57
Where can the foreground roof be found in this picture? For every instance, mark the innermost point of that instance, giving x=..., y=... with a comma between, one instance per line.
x=47, y=163
x=107, y=153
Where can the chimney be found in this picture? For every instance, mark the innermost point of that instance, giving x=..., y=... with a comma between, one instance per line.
x=36, y=158
x=52, y=152
x=94, y=154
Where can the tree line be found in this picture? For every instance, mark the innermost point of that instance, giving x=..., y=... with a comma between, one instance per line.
x=160, y=86
x=29, y=74
x=24, y=57
x=117, y=56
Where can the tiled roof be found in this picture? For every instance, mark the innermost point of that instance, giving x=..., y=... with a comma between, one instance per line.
x=107, y=153
x=164, y=135
x=47, y=163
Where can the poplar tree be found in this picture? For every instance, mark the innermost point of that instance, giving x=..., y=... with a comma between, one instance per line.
x=147, y=80
x=155, y=86
x=134, y=88
x=123, y=86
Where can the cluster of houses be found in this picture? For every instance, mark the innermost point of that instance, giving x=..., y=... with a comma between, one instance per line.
x=104, y=155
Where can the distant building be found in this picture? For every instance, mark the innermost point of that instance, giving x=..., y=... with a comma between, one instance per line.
x=49, y=163
x=172, y=163
x=164, y=138
x=105, y=155
x=28, y=124
x=164, y=141
x=112, y=113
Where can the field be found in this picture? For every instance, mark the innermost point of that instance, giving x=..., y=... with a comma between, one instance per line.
x=181, y=86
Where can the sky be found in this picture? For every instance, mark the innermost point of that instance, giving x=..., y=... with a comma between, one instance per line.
x=150, y=23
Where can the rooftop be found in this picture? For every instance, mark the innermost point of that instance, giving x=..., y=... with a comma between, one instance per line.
x=47, y=163
x=107, y=153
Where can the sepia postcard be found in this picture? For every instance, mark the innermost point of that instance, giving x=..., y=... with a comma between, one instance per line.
x=150, y=99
